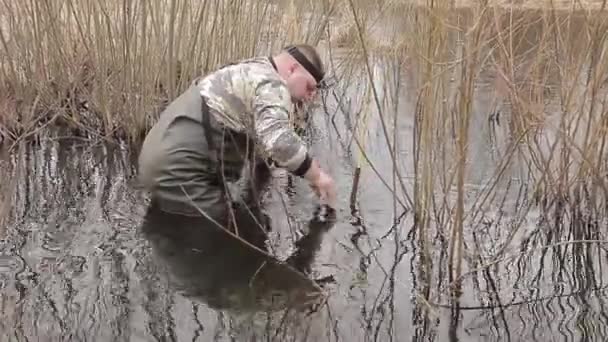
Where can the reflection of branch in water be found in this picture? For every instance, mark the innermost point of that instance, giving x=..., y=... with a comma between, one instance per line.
x=490, y=280
x=506, y=258
x=397, y=260
x=394, y=227
x=544, y=255
x=561, y=323
x=442, y=263
x=283, y=328
x=421, y=321
x=373, y=311
x=278, y=329
x=357, y=222
x=494, y=290
x=331, y=321
x=170, y=318
x=50, y=303
x=390, y=297
x=199, y=326
x=583, y=268
x=379, y=305
x=571, y=328
x=454, y=321
x=363, y=270
x=220, y=327
x=153, y=287
x=603, y=316
x=119, y=293
x=523, y=302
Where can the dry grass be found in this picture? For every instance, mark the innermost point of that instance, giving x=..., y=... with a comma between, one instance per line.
x=108, y=67
x=527, y=4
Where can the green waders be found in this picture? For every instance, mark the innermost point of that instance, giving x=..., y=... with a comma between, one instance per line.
x=222, y=159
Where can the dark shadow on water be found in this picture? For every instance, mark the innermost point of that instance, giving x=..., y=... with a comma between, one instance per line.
x=227, y=272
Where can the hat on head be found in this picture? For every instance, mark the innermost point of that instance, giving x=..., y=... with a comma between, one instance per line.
x=310, y=67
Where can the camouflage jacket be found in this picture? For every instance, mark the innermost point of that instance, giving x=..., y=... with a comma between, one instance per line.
x=247, y=97
x=250, y=96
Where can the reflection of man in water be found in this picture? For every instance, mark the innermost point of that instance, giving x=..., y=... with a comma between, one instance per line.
x=238, y=115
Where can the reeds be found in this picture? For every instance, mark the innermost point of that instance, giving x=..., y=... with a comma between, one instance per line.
x=545, y=71
x=108, y=68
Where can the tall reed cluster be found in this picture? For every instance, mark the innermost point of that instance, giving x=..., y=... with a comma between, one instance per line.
x=108, y=67
x=509, y=114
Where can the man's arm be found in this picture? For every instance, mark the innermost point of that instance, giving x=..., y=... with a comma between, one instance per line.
x=271, y=110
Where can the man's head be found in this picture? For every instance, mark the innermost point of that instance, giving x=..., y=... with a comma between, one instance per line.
x=302, y=69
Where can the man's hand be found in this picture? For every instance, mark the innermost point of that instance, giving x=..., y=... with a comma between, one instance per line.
x=322, y=184
x=325, y=189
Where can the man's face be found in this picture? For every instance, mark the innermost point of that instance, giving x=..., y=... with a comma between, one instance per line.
x=301, y=84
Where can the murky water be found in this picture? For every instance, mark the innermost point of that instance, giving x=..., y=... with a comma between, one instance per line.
x=73, y=265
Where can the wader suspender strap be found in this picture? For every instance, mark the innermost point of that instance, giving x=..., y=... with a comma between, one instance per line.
x=215, y=155
x=207, y=127
x=210, y=144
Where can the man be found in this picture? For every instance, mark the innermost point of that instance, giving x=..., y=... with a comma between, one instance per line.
x=237, y=115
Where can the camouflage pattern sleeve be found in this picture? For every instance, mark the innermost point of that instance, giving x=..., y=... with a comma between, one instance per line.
x=271, y=106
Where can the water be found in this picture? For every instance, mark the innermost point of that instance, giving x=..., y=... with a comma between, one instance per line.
x=73, y=265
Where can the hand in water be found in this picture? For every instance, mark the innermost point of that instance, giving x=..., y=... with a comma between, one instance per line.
x=325, y=188
x=322, y=184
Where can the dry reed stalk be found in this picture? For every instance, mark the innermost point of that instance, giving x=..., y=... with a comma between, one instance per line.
x=110, y=67
x=442, y=161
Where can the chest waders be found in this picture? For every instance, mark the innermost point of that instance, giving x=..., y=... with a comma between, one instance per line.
x=229, y=158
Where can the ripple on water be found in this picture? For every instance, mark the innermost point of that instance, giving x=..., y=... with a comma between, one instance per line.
x=11, y=264
x=60, y=237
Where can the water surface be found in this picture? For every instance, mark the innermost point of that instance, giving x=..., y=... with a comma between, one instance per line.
x=73, y=265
